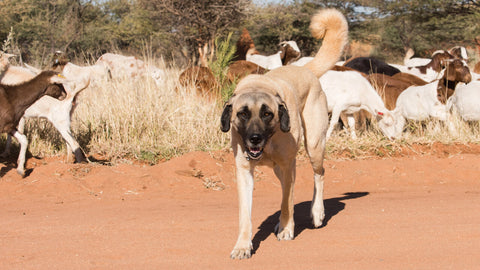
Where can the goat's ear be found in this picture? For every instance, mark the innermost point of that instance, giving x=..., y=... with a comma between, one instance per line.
x=59, y=79
x=379, y=115
x=283, y=52
x=284, y=117
x=226, y=117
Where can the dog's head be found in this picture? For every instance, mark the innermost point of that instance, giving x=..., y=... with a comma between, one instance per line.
x=255, y=116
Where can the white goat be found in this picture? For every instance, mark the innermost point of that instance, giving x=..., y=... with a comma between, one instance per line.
x=421, y=102
x=10, y=75
x=408, y=61
x=288, y=53
x=122, y=66
x=94, y=73
x=466, y=101
x=350, y=92
x=267, y=62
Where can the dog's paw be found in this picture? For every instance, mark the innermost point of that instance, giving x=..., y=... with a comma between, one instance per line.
x=317, y=219
x=241, y=253
x=285, y=234
x=317, y=214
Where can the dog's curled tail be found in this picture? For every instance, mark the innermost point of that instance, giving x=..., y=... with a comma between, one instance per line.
x=331, y=25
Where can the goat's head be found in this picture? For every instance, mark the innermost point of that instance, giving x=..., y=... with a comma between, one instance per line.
x=289, y=52
x=459, y=52
x=439, y=59
x=457, y=70
x=59, y=60
x=252, y=51
x=4, y=60
x=55, y=86
x=391, y=124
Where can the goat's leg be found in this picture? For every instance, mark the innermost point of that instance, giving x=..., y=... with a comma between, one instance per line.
x=21, y=125
x=333, y=121
x=8, y=145
x=69, y=154
x=72, y=144
x=351, y=125
x=22, y=140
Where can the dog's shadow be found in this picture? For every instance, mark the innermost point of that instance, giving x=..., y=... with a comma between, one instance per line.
x=302, y=217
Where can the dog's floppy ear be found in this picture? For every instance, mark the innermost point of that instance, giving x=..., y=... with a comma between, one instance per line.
x=226, y=117
x=284, y=117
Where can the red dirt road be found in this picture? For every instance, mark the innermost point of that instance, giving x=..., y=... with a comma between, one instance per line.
x=413, y=212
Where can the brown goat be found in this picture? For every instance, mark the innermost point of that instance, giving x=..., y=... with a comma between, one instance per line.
x=15, y=99
x=202, y=79
x=241, y=68
x=244, y=43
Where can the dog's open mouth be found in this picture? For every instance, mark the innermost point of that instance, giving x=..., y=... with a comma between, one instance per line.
x=254, y=152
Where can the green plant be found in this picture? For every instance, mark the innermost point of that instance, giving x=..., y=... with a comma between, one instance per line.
x=224, y=53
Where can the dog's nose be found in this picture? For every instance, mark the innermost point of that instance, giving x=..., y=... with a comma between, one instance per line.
x=255, y=139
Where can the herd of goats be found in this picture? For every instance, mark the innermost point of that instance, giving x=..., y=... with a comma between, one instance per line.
x=363, y=88
x=357, y=90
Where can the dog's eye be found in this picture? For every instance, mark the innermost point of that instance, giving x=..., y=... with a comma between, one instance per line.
x=242, y=115
x=267, y=116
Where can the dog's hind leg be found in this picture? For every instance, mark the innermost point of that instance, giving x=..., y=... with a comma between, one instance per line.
x=286, y=225
x=315, y=117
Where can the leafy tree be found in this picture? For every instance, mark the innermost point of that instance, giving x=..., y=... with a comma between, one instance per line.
x=425, y=26
x=195, y=24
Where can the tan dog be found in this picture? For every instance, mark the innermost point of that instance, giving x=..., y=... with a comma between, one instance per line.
x=268, y=115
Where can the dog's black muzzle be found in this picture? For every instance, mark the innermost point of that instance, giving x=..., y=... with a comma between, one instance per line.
x=254, y=146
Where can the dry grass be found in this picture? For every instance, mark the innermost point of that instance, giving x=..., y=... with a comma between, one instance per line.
x=139, y=120
x=136, y=119
x=373, y=143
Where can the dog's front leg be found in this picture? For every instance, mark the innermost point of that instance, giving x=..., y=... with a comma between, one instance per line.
x=286, y=225
x=243, y=247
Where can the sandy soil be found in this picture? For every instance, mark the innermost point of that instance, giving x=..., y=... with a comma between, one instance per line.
x=412, y=211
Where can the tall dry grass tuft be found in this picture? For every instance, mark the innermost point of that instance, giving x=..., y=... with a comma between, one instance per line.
x=138, y=119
